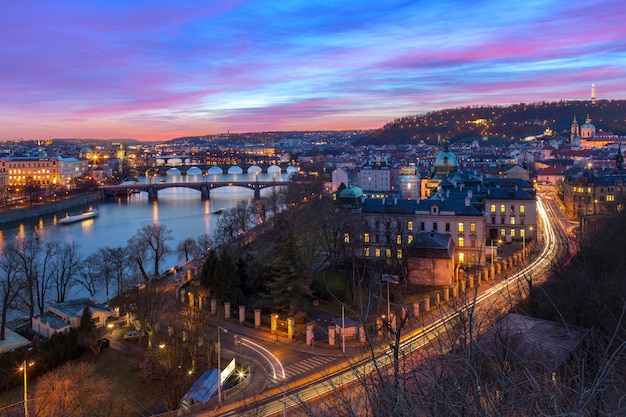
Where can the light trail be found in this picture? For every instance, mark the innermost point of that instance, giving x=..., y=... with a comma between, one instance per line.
x=282, y=369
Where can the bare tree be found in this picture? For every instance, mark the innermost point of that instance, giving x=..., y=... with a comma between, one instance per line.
x=27, y=252
x=152, y=240
x=74, y=389
x=186, y=249
x=147, y=303
x=10, y=284
x=66, y=268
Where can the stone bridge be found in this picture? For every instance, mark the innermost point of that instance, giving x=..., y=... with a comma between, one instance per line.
x=205, y=188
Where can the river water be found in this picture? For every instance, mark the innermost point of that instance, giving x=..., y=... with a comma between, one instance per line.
x=179, y=209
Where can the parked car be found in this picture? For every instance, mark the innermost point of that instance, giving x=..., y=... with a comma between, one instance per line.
x=133, y=335
x=104, y=343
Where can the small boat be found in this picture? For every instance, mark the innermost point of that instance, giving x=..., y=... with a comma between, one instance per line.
x=218, y=211
x=79, y=217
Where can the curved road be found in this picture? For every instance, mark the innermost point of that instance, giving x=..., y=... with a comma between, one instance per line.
x=555, y=240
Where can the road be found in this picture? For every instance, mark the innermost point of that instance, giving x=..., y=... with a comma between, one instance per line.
x=555, y=241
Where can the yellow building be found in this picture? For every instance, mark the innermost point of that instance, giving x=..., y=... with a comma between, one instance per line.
x=44, y=171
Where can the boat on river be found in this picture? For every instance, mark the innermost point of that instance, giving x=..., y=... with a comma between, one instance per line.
x=79, y=217
x=218, y=211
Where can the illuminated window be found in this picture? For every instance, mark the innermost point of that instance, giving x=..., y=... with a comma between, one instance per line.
x=409, y=225
x=398, y=239
x=522, y=233
x=502, y=208
x=610, y=197
x=366, y=237
x=461, y=257
x=502, y=232
x=493, y=208
x=387, y=253
x=399, y=254
x=409, y=239
x=461, y=227
x=377, y=252
x=346, y=238
x=367, y=251
x=522, y=209
x=512, y=219
x=512, y=232
x=461, y=241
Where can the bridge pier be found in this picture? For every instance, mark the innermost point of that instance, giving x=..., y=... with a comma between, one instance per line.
x=205, y=192
x=257, y=192
x=153, y=194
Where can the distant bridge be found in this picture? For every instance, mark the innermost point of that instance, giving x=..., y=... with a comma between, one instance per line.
x=205, y=188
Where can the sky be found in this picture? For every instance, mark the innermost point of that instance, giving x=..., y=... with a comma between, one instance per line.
x=154, y=70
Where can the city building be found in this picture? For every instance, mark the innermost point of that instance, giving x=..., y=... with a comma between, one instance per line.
x=61, y=317
x=44, y=171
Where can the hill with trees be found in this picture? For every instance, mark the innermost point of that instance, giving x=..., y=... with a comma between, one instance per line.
x=506, y=122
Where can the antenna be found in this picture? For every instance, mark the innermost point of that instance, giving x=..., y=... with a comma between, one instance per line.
x=593, y=94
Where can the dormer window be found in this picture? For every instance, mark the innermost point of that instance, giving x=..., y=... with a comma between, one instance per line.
x=434, y=209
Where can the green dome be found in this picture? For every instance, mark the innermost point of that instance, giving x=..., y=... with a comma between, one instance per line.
x=446, y=159
x=351, y=192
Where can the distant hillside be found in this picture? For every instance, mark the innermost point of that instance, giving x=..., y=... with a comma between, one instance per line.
x=504, y=122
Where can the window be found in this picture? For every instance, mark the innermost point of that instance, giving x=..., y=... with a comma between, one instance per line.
x=502, y=208
x=399, y=254
x=512, y=219
x=461, y=227
x=422, y=226
x=472, y=227
x=346, y=238
x=512, y=232
x=493, y=208
x=512, y=208
x=461, y=257
x=366, y=238
x=461, y=241
x=398, y=239
x=387, y=253
x=409, y=225
x=434, y=226
x=409, y=239
x=493, y=219
x=473, y=242
x=367, y=251
x=522, y=209
x=503, y=232
x=610, y=197
x=377, y=224
x=447, y=227
x=522, y=233
x=377, y=252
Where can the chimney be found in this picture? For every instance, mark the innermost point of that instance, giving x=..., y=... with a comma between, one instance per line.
x=447, y=193
x=383, y=201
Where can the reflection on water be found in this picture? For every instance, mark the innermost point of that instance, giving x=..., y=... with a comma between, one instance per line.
x=179, y=209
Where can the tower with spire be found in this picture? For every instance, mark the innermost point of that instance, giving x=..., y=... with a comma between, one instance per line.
x=574, y=130
x=619, y=158
x=593, y=94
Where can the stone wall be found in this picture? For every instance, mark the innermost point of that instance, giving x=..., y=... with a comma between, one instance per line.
x=9, y=216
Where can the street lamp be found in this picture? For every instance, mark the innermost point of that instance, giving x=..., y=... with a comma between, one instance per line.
x=219, y=361
x=388, y=278
x=23, y=368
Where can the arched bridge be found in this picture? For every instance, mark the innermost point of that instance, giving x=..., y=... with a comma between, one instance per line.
x=205, y=188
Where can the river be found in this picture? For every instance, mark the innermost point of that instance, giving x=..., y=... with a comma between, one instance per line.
x=179, y=209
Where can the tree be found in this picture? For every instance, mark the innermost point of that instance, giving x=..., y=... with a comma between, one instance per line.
x=10, y=285
x=289, y=289
x=186, y=249
x=150, y=243
x=219, y=275
x=27, y=253
x=66, y=268
x=147, y=303
x=74, y=389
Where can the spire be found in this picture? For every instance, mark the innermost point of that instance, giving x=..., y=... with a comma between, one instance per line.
x=593, y=94
x=619, y=158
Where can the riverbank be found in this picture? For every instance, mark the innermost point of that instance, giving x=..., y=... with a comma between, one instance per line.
x=13, y=215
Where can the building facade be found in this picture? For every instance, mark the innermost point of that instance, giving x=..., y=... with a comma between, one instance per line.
x=44, y=171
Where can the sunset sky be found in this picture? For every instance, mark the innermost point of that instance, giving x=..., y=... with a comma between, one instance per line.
x=154, y=70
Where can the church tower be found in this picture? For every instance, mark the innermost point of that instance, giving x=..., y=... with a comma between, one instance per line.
x=574, y=130
x=619, y=158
